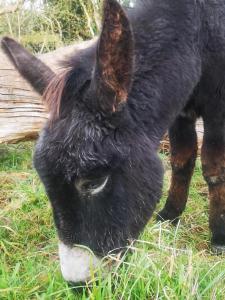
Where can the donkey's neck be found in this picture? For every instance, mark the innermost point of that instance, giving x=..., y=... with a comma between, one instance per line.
x=167, y=67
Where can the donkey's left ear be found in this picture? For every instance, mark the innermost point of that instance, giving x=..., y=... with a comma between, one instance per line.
x=30, y=67
x=114, y=59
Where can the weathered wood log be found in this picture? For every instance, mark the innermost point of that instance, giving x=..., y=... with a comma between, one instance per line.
x=22, y=113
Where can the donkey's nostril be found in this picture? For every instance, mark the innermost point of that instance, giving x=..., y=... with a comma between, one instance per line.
x=77, y=264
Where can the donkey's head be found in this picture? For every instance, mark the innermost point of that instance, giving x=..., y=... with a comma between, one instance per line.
x=99, y=168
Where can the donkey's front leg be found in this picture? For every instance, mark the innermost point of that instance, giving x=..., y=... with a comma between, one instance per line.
x=183, y=140
x=213, y=165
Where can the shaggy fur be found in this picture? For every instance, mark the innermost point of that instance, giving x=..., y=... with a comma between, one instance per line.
x=159, y=68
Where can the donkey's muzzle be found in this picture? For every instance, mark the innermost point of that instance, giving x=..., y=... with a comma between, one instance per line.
x=77, y=264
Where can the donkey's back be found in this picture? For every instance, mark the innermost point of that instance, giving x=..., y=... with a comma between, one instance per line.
x=175, y=42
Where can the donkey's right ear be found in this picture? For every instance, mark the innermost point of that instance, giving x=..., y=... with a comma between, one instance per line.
x=30, y=67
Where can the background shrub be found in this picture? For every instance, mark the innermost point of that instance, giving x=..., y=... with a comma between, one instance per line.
x=44, y=25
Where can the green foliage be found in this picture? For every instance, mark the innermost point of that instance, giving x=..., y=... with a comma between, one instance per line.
x=77, y=19
x=44, y=25
x=32, y=27
x=52, y=23
x=165, y=263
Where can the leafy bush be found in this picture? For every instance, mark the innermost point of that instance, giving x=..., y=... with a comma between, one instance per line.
x=76, y=19
x=44, y=25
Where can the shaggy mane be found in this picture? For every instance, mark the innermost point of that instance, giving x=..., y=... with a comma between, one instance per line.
x=52, y=96
x=77, y=70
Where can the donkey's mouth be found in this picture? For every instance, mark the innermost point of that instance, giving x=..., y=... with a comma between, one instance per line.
x=78, y=264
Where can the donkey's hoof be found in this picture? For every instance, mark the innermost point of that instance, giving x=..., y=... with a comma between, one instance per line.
x=218, y=249
x=165, y=215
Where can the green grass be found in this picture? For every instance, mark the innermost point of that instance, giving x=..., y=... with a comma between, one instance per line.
x=166, y=262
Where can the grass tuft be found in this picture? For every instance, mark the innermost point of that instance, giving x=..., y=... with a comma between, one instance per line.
x=165, y=263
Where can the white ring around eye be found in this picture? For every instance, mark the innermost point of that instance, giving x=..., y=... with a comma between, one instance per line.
x=94, y=190
x=100, y=188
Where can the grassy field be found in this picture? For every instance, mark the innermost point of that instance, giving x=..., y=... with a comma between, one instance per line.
x=166, y=263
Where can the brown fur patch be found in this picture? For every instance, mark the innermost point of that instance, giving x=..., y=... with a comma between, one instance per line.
x=182, y=156
x=115, y=50
x=213, y=164
x=182, y=170
x=178, y=194
x=217, y=206
x=53, y=95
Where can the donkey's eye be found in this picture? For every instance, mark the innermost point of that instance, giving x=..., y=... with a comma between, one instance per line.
x=91, y=186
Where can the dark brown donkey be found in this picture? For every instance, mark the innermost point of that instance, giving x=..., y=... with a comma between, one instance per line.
x=157, y=66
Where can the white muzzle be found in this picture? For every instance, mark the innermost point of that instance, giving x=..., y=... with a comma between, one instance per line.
x=77, y=263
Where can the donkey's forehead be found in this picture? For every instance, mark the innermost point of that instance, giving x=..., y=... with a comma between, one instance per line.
x=86, y=148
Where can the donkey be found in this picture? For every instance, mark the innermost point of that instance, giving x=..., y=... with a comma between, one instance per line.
x=157, y=66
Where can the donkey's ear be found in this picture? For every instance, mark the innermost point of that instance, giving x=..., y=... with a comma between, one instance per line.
x=30, y=67
x=114, y=60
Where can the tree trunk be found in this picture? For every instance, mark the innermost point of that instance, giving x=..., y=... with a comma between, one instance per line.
x=22, y=114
